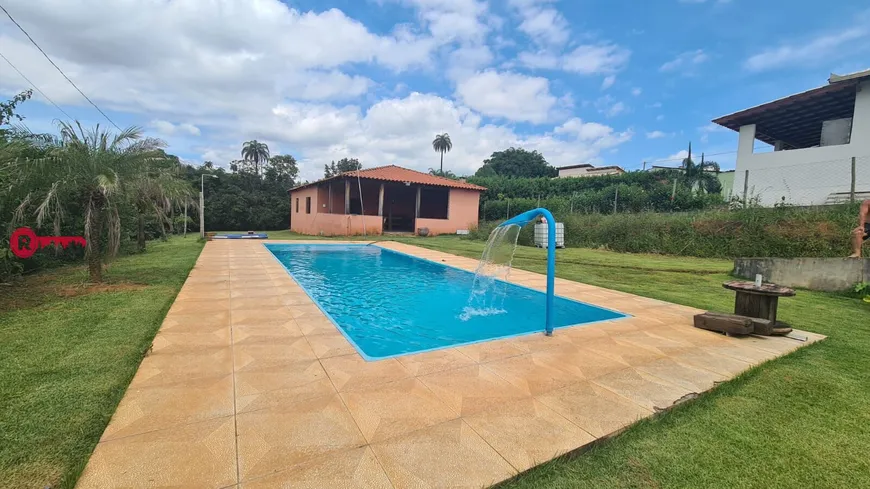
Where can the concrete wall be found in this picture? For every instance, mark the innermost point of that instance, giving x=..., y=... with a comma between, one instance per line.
x=807, y=176
x=828, y=274
x=462, y=213
x=726, y=179
x=587, y=172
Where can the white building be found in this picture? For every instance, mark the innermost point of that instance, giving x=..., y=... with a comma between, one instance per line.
x=587, y=170
x=815, y=135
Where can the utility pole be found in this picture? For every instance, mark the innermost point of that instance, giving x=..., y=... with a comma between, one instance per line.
x=745, y=189
x=615, y=199
x=852, y=187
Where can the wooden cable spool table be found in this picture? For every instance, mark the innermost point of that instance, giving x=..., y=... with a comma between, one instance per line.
x=760, y=302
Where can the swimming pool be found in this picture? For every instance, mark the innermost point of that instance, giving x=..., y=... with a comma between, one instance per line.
x=388, y=303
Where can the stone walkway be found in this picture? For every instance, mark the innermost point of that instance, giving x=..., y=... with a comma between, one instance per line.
x=250, y=385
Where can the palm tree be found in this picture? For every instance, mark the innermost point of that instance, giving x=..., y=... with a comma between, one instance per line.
x=158, y=190
x=255, y=152
x=90, y=170
x=442, y=144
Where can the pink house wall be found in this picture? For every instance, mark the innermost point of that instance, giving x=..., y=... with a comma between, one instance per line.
x=462, y=213
x=319, y=222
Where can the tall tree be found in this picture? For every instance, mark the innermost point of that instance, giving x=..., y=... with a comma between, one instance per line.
x=701, y=176
x=442, y=144
x=156, y=190
x=282, y=169
x=343, y=165
x=255, y=153
x=517, y=163
x=7, y=109
x=446, y=174
x=87, y=169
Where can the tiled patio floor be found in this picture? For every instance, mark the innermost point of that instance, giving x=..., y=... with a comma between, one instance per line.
x=250, y=385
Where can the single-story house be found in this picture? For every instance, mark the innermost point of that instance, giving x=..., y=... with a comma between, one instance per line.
x=587, y=170
x=386, y=199
x=819, y=139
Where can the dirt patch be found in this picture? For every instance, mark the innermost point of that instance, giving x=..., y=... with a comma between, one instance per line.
x=42, y=290
x=803, y=230
x=85, y=289
x=716, y=227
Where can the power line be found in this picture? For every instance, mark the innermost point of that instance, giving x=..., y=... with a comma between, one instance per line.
x=57, y=67
x=35, y=87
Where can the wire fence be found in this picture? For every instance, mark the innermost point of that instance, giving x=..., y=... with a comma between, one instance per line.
x=808, y=183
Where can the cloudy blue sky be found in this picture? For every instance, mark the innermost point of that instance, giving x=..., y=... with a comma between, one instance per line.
x=581, y=81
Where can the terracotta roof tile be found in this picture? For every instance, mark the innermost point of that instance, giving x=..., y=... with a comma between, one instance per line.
x=393, y=173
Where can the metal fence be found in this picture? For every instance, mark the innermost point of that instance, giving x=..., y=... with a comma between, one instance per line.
x=815, y=183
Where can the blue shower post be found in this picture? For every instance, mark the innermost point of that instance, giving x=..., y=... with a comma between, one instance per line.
x=522, y=220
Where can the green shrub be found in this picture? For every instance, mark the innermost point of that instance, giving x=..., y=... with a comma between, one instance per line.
x=777, y=232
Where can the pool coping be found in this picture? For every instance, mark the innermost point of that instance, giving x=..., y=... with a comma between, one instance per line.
x=370, y=358
x=209, y=405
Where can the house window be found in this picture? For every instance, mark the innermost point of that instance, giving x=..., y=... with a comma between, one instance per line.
x=434, y=203
x=297, y=205
x=308, y=205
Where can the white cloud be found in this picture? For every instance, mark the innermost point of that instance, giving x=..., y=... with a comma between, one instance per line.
x=539, y=60
x=609, y=106
x=198, y=53
x=586, y=59
x=685, y=61
x=616, y=109
x=660, y=117
x=466, y=60
x=636, y=91
x=608, y=82
x=657, y=135
x=400, y=130
x=705, y=131
x=198, y=68
x=542, y=23
x=319, y=85
x=166, y=128
x=679, y=156
x=593, y=131
x=814, y=51
x=590, y=59
x=509, y=95
x=451, y=20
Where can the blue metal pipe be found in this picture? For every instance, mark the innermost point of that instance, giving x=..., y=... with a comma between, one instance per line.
x=522, y=220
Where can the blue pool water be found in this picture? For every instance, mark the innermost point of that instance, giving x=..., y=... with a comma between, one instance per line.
x=388, y=303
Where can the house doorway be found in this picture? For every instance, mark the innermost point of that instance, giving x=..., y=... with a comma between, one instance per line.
x=400, y=208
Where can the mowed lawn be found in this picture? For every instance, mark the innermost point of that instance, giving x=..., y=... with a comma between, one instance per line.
x=799, y=421
x=67, y=353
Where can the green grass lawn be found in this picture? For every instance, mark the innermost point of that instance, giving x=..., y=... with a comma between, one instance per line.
x=67, y=353
x=798, y=422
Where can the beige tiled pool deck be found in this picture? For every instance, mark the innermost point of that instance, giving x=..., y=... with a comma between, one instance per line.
x=250, y=385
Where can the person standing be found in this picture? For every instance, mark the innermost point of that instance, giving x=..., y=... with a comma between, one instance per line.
x=862, y=232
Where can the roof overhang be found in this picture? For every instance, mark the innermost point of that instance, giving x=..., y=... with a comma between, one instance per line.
x=796, y=120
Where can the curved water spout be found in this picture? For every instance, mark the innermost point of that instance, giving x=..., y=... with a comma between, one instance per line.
x=522, y=220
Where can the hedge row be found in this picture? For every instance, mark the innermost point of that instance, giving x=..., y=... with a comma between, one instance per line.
x=499, y=188
x=604, y=201
x=763, y=232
